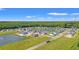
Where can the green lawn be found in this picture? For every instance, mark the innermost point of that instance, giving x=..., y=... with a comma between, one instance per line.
x=7, y=32
x=62, y=43
x=76, y=44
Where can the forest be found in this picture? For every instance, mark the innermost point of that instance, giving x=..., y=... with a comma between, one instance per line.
x=21, y=24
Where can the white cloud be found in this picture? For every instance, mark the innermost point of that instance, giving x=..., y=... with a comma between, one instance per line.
x=75, y=14
x=57, y=13
x=30, y=16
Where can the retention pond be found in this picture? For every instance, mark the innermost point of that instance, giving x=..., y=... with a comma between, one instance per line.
x=6, y=39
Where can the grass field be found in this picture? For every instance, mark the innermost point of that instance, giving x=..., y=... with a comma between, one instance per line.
x=62, y=43
x=76, y=44
x=7, y=32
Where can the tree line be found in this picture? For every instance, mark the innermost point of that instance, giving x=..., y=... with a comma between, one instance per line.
x=19, y=24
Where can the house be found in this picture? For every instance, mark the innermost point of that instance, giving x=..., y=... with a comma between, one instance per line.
x=55, y=33
x=23, y=33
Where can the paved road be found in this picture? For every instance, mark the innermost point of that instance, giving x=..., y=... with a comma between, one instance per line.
x=45, y=42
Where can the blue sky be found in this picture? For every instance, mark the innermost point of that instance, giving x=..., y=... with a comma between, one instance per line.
x=39, y=14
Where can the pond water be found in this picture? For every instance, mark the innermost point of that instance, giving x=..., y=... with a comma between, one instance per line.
x=6, y=39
